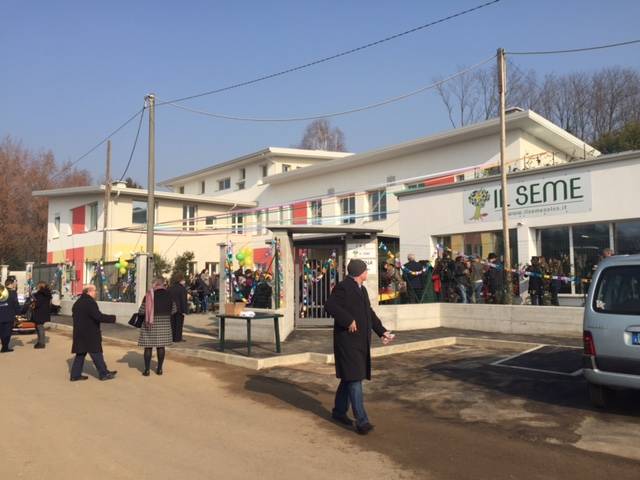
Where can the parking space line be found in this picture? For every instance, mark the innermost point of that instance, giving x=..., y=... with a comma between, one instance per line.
x=573, y=374
x=499, y=363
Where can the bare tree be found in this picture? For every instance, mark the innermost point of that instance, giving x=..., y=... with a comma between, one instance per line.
x=23, y=224
x=320, y=136
x=587, y=105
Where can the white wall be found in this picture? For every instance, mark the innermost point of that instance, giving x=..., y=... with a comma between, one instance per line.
x=613, y=187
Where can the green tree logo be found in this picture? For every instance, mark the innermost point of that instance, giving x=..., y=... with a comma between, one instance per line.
x=478, y=198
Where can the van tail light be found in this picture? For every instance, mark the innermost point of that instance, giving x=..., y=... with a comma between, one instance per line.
x=589, y=344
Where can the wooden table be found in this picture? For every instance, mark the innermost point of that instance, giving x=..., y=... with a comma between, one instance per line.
x=258, y=316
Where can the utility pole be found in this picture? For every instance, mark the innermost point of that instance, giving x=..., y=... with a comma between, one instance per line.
x=151, y=182
x=107, y=200
x=502, y=87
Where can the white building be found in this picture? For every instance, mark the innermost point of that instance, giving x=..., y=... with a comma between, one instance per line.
x=568, y=212
x=296, y=187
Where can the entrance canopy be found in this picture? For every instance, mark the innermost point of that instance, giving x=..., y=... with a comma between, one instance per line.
x=323, y=230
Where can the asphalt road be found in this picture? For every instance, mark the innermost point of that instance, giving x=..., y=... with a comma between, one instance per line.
x=441, y=414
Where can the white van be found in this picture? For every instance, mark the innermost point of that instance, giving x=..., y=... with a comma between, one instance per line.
x=612, y=328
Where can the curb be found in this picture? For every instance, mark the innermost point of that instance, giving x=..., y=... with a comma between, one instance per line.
x=251, y=363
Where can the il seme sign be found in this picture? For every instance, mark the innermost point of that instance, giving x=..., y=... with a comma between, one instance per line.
x=537, y=197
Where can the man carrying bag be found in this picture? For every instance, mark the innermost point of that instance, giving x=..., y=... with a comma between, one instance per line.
x=87, y=337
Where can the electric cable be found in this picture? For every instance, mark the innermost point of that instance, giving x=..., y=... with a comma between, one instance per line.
x=332, y=57
x=574, y=50
x=82, y=157
x=135, y=142
x=333, y=114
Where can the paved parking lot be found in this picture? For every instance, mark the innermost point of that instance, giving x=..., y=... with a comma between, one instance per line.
x=462, y=386
x=463, y=412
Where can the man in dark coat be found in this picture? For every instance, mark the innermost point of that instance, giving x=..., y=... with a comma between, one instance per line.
x=413, y=273
x=9, y=308
x=178, y=292
x=41, y=312
x=495, y=280
x=87, y=337
x=354, y=319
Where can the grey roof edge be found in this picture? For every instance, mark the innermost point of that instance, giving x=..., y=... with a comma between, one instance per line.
x=474, y=130
x=137, y=192
x=602, y=159
x=266, y=153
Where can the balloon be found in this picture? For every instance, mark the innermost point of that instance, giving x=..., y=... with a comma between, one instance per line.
x=118, y=265
x=123, y=263
x=123, y=270
x=240, y=256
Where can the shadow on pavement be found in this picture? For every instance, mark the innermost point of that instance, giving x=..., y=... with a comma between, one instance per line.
x=289, y=393
x=89, y=367
x=559, y=390
x=135, y=360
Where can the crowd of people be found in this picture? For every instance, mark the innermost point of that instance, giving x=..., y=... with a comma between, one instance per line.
x=470, y=279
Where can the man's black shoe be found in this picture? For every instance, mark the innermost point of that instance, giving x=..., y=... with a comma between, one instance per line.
x=343, y=419
x=38, y=345
x=6, y=350
x=364, y=429
x=77, y=379
x=107, y=376
x=112, y=372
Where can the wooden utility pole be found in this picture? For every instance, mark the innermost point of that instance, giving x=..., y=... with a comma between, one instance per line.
x=502, y=87
x=151, y=182
x=107, y=200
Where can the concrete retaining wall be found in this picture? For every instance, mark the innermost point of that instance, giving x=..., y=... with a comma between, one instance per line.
x=121, y=310
x=519, y=319
x=409, y=317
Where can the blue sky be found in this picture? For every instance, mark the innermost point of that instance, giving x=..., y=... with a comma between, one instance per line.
x=74, y=70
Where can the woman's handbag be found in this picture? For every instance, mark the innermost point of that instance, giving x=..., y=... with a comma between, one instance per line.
x=136, y=320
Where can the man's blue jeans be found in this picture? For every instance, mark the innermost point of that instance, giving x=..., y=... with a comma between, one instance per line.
x=350, y=392
x=78, y=364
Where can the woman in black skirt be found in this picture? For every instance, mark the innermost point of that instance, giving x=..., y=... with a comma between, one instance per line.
x=157, y=307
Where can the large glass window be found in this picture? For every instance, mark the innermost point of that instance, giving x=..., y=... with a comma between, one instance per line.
x=224, y=184
x=237, y=223
x=189, y=214
x=139, y=212
x=316, y=212
x=260, y=230
x=480, y=244
x=554, y=247
x=627, y=237
x=92, y=217
x=56, y=225
x=588, y=243
x=348, y=209
x=378, y=205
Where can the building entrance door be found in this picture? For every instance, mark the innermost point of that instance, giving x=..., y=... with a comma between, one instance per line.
x=317, y=271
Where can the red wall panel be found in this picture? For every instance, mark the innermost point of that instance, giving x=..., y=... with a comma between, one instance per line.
x=299, y=213
x=77, y=220
x=432, y=182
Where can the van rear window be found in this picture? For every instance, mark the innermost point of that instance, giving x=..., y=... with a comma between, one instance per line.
x=618, y=291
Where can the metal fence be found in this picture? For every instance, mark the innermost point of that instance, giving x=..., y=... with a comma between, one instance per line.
x=50, y=273
x=112, y=285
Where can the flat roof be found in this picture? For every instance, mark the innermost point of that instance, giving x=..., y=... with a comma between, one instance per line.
x=265, y=152
x=602, y=159
x=138, y=192
x=527, y=120
x=322, y=229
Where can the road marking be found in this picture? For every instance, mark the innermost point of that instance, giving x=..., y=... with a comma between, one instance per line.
x=499, y=363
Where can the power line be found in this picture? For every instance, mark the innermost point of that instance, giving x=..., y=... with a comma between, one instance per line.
x=135, y=142
x=573, y=50
x=332, y=57
x=333, y=114
x=82, y=157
